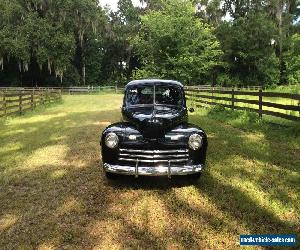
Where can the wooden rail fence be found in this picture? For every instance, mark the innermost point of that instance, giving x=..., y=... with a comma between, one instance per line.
x=17, y=100
x=65, y=90
x=13, y=102
x=264, y=102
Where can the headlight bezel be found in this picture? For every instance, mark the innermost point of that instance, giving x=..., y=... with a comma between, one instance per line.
x=111, y=140
x=195, y=141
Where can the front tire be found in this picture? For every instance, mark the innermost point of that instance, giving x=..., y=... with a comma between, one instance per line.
x=196, y=176
x=110, y=176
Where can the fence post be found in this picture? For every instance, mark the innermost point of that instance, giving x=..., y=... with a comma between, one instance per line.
x=20, y=102
x=34, y=103
x=4, y=102
x=260, y=103
x=31, y=100
x=44, y=93
x=47, y=96
x=232, y=99
x=40, y=98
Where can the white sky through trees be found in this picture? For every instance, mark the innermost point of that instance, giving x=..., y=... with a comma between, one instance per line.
x=114, y=3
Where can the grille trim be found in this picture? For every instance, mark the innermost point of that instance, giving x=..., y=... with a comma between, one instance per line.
x=154, y=156
x=153, y=161
x=154, y=151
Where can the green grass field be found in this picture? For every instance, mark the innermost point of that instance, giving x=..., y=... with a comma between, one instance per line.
x=54, y=194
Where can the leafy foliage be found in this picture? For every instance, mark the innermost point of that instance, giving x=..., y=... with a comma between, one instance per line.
x=293, y=60
x=44, y=32
x=173, y=43
x=76, y=42
x=248, y=50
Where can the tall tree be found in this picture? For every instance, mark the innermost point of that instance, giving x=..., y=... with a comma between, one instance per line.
x=174, y=43
x=210, y=11
x=119, y=57
x=292, y=58
x=77, y=42
x=249, y=51
x=40, y=34
x=282, y=13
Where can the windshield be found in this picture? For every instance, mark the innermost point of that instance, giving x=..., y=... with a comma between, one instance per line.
x=144, y=95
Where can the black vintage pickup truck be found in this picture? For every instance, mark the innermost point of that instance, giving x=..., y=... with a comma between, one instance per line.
x=154, y=137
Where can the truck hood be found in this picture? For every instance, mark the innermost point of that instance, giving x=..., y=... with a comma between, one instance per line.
x=155, y=120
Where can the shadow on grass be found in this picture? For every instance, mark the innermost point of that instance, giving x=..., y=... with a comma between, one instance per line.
x=265, y=142
x=58, y=178
x=151, y=182
x=242, y=207
x=276, y=128
x=80, y=128
x=58, y=196
x=269, y=163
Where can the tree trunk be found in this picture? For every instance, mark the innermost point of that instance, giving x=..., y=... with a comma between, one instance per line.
x=279, y=17
x=83, y=73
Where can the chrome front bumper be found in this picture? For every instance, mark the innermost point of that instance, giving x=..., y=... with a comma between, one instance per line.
x=153, y=171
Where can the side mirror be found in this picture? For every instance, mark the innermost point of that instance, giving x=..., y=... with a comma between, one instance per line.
x=191, y=110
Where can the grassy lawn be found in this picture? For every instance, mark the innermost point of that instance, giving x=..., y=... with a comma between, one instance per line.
x=54, y=195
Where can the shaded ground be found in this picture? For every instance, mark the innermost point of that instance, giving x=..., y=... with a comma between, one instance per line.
x=54, y=195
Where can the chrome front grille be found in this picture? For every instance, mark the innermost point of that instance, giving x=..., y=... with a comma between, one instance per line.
x=154, y=156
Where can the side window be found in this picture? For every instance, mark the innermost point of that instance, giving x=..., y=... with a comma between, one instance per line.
x=168, y=95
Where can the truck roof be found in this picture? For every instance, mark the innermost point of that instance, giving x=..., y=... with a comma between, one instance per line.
x=151, y=81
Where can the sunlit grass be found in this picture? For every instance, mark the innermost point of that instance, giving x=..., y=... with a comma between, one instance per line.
x=54, y=194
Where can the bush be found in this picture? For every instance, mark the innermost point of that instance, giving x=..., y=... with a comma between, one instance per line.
x=216, y=109
x=293, y=60
x=145, y=74
x=250, y=117
x=173, y=43
x=71, y=76
x=224, y=80
x=221, y=113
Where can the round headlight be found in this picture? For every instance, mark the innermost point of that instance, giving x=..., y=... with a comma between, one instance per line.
x=111, y=140
x=195, y=141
